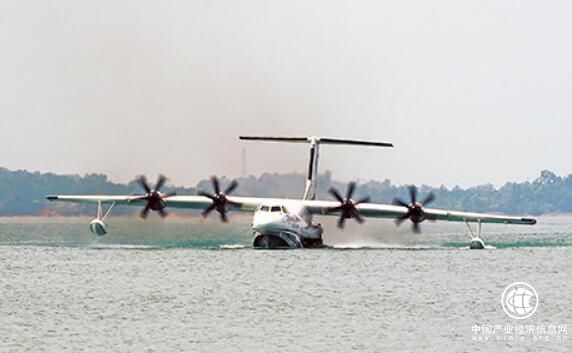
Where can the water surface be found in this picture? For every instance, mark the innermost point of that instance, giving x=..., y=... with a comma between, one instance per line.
x=184, y=285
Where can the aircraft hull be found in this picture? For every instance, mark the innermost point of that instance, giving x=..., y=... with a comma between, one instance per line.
x=284, y=240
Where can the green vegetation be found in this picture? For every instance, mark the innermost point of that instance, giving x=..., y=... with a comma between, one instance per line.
x=23, y=192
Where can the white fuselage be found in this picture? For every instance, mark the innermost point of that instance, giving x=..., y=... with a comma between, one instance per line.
x=275, y=225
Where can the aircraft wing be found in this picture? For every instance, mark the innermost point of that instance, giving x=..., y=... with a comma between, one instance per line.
x=376, y=210
x=248, y=204
x=458, y=216
x=118, y=199
x=366, y=209
x=316, y=207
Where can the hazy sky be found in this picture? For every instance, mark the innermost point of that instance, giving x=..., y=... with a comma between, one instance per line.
x=469, y=92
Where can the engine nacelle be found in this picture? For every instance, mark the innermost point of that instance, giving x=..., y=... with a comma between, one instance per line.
x=97, y=227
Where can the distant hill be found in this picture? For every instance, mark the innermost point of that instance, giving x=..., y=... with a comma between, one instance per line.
x=23, y=192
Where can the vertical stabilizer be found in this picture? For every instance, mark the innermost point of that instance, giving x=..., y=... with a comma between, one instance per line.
x=312, y=177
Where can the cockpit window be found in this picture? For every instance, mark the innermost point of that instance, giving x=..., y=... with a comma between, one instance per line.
x=275, y=209
x=264, y=208
x=284, y=209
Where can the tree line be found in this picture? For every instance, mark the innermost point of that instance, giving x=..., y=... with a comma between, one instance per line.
x=23, y=192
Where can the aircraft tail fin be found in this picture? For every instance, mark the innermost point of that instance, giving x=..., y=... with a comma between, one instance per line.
x=315, y=142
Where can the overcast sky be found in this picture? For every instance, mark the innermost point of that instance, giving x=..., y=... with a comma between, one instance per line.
x=470, y=92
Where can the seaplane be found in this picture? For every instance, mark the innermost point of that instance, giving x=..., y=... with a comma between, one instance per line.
x=280, y=223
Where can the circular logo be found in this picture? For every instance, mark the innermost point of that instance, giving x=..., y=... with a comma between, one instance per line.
x=519, y=300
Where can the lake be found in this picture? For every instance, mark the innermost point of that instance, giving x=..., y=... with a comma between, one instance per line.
x=194, y=286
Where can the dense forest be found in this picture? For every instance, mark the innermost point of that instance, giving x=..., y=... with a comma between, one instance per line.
x=23, y=192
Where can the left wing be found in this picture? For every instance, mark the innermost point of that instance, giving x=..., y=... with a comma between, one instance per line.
x=457, y=216
x=377, y=210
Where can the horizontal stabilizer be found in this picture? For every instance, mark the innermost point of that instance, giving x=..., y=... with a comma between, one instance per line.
x=354, y=142
x=276, y=139
x=320, y=140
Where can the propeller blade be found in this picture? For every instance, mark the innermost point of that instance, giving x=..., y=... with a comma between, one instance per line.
x=154, y=200
x=216, y=186
x=336, y=194
x=234, y=204
x=364, y=200
x=358, y=217
x=202, y=193
x=402, y=218
x=413, y=193
x=415, y=210
x=334, y=209
x=430, y=217
x=351, y=188
x=208, y=210
x=398, y=202
x=231, y=187
x=143, y=182
x=160, y=182
x=219, y=199
x=137, y=198
x=145, y=212
x=347, y=206
x=430, y=198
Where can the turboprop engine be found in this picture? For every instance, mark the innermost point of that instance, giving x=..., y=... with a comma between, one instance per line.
x=97, y=227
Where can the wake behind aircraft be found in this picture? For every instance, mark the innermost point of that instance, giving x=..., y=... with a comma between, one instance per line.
x=289, y=223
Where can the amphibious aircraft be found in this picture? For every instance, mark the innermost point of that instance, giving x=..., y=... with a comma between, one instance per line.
x=289, y=223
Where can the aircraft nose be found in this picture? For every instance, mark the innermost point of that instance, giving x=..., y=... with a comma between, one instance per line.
x=265, y=223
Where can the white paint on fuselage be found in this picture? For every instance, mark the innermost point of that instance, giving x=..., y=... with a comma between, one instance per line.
x=276, y=218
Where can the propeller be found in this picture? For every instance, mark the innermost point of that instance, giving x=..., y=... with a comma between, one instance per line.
x=415, y=210
x=155, y=200
x=347, y=206
x=220, y=202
